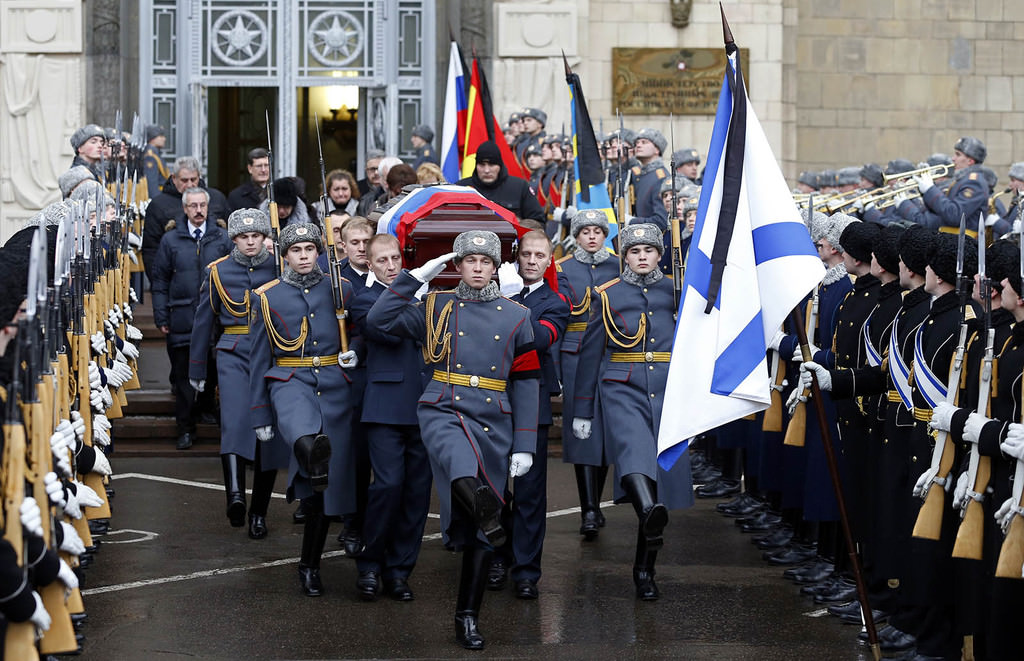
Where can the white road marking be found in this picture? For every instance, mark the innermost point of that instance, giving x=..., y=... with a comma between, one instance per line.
x=821, y=612
x=234, y=570
x=144, y=536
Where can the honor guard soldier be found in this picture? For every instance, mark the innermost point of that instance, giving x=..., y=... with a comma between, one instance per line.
x=579, y=274
x=153, y=166
x=225, y=301
x=624, y=361
x=533, y=121
x=967, y=196
x=422, y=137
x=480, y=406
x=399, y=495
x=687, y=167
x=647, y=177
x=549, y=314
x=298, y=385
x=88, y=144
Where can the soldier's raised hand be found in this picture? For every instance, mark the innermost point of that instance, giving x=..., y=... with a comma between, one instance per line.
x=509, y=281
x=432, y=268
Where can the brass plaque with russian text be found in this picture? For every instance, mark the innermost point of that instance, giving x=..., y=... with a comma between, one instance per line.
x=659, y=81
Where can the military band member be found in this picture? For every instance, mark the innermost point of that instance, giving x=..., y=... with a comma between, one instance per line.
x=1006, y=214
x=967, y=196
x=480, y=406
x=399, y=495
x=549, y=314
x=624, y=360
x=579, y=274
x=299, y=386
x=225, y=300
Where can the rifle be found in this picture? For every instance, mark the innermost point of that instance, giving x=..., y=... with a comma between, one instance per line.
x=929, y=518
x=275, y=222
x=622, y=205
x=796, y=430
x=332, y=256
x=1011, y=554
x=678, y=267
x=970, y=535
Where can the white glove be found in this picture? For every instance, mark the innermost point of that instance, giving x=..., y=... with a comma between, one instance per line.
x=776, y=340
x=67, y=429
x=432, y=268
x=265, y=433
x=521, y=464
x=101, y=430
x=859, y=205
x=54, y=489
x=566, y=214
x=132, y=333
x=581, y=428
x=86, y=496
x=1013, y=444
x=134, y=240
x=31, y=516
x=824, y=378
x=72, y=508
x=197, y=385
x=98, y=342
x=72, y=543
x=942, y=416
x=95, y=376
x=102, y=464
x=96, y=399
x=105, y=396
x=112, y=316
x=348, y=359
x=40, y=617
x=972, y=429
x=992, y=219
x=115, y=378
x=67, y=576
x=960, y=492
x=924, y=182
x=795, y=398
x=127, y=310
x=1004, y=515
x=798, y=355
x=130, y=351
x=78, y=424
x=133, y=257
x=899, y=199
x=509, y=281
x=108, y=330
x=924, y=482
x=122, y=369
x=59, y=447
x=132, y=296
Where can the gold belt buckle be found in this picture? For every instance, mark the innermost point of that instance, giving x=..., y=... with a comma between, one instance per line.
x=649, y=357
x=316, y=361
x=474, y=381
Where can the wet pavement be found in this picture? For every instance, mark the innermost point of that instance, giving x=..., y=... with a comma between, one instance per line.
x=174, y=581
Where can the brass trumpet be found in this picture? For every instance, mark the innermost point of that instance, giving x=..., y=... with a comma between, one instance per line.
x=936, y=171
x=995, y=197
x=889, y=199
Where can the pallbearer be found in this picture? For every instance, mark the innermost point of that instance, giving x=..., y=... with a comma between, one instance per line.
x=225, y=296
x=590, y=265
x=478, y=414
x=299, y=386
x=624, y=361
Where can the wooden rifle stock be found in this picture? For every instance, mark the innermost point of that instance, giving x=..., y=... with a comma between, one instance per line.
x=20, y=637
x=339, y=295
x=773, y=416
x=1011, y=555
x=796, y=430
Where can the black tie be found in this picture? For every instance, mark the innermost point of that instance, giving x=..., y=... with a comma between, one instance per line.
x=522, y=294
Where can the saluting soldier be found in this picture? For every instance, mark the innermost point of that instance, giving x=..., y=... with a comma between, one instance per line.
x=298, y=385
x=624, y=361
x=480, y=406
x=399, y=495
x=225, y=301
x=590, y=265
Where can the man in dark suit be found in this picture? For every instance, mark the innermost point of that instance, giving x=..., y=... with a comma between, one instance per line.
x=399, y=497
x=549, y=315
x=251, y=193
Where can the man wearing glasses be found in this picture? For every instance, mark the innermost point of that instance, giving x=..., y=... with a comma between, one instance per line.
x=179, y=268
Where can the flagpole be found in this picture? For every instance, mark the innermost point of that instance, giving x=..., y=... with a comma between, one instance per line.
x=833, y=469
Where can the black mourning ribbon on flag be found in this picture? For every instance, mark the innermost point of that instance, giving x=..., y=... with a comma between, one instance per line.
x=732, y=179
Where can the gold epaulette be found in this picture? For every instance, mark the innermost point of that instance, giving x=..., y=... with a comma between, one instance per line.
x=969, y=314
x=636, y=169
x=217, y=261
x=563, y=259
x=265, y=287
x=661, y=172
x=600, y=288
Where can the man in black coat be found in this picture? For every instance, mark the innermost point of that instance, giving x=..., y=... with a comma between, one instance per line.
x=176, y=274
x=252, y=192
x=491, y=179
x=167, y=206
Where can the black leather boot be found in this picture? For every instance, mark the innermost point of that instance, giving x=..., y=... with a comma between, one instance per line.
x=262, y=489
x=314, y=453
x=652, y=515
x=586, y=485
x=643, y=569
x=599, y=480
x=234, y=487
x=314, y=535
x=472, y=581
x=483, y=505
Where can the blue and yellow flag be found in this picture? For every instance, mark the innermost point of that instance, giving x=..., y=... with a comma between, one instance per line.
x=590, y=191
